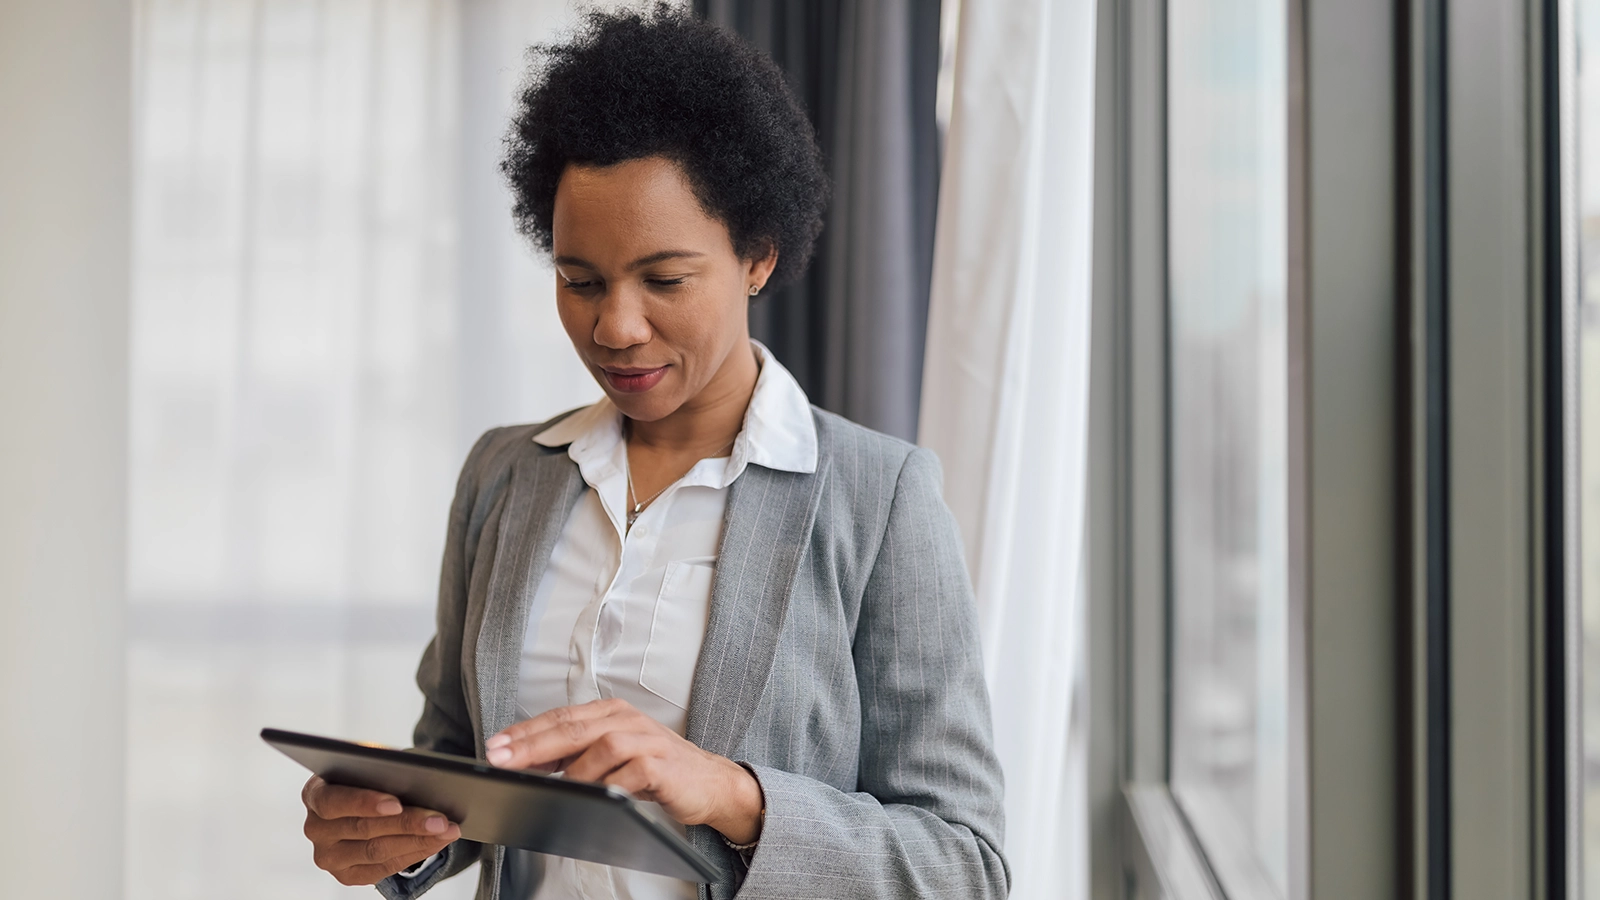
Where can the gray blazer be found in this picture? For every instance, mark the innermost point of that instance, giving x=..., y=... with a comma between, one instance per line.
x=841, y=662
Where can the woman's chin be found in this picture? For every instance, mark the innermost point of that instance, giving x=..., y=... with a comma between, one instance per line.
x=647, y=407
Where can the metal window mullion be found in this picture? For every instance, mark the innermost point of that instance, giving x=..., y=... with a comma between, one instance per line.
x=1346, y=298
x=1159, y=856
x=1147, y=558
x=1428, y=759
x=1560, y=551
x=1492, y=385
x=1105, y=549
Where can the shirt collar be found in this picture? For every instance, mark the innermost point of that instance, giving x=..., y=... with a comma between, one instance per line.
x=778, y=433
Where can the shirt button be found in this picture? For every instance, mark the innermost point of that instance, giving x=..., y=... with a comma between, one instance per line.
x=641, y=530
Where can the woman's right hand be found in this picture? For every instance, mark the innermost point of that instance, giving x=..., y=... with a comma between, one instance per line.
x=363, y=837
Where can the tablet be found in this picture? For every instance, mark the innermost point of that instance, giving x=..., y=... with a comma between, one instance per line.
x=578, y=819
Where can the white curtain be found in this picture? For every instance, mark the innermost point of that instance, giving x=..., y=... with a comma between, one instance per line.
x=1005, y=400
x=329, y=304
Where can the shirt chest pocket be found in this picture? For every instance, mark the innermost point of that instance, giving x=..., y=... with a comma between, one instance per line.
x=677, y=629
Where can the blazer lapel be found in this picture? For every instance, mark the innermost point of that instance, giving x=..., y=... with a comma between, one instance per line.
x=765, y=533
x=544, y=487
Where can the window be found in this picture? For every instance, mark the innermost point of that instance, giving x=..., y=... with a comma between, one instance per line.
x=302, y=394
x=1251, y=530
x=1360, y=636
x=1227, y=427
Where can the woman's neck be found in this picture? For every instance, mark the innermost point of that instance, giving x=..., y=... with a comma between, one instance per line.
x=712, y=418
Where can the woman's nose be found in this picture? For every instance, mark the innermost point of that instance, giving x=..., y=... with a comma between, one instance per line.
x=621, y=323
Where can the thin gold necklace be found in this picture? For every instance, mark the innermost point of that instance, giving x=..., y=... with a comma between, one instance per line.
x=636, y=506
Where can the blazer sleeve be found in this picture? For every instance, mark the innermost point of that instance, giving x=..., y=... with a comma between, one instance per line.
x=927, y=817
x=446, y=724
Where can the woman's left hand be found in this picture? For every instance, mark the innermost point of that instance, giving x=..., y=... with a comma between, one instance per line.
x=611, y=742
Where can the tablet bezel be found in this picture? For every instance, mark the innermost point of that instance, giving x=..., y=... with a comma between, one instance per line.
x=461, y=765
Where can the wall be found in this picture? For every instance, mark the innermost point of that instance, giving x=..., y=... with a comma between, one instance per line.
x=64, y=224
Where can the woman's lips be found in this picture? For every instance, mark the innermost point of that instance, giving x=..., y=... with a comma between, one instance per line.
x=633, y=381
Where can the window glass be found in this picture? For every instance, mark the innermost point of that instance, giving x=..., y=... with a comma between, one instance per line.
x=1228, y=430
x=301, y=398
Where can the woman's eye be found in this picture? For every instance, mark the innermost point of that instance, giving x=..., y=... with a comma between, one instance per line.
x=665, y=281
x=576, y=285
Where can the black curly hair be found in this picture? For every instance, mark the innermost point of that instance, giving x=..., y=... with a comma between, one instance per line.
x=662, y=82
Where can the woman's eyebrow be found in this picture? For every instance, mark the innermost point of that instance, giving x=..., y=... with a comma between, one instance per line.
x=639, y=263
x=663, y=256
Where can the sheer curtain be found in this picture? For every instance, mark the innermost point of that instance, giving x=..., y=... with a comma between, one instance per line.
x=1005, y=400
x=329, y=304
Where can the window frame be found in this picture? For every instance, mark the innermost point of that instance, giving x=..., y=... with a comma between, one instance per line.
x=1488, y=170
x=1350, y=811
x=1140, y=845
x=1563, y=546
x=1434, y=614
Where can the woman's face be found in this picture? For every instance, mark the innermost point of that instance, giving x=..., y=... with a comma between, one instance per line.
x=648, y=285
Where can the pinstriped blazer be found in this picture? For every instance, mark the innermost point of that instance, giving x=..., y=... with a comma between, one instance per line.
x=841, y=662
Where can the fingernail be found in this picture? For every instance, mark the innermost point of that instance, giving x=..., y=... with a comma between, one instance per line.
x=435, y=824
x=499, y=740
x=499, y=755
x=389, y=808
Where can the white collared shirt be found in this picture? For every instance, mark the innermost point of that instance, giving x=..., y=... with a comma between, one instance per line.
x=622, y=613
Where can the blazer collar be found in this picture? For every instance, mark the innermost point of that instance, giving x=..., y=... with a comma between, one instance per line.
x=543, y=490
x=765, y=533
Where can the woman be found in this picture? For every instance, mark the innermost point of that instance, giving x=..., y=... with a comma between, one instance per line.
x=699, y=589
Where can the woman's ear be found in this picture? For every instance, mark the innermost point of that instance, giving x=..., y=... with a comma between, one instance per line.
x=761, y=268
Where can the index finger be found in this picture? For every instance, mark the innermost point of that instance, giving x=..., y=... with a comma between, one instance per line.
x=338, y=801
x=562, y=738
x=568, y=718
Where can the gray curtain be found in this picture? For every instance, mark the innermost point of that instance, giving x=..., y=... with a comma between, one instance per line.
x=852, y=329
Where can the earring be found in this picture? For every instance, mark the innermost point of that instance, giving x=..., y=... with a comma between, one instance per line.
x=754, y=290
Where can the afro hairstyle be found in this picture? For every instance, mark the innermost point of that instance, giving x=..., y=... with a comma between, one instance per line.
x=662, y=82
